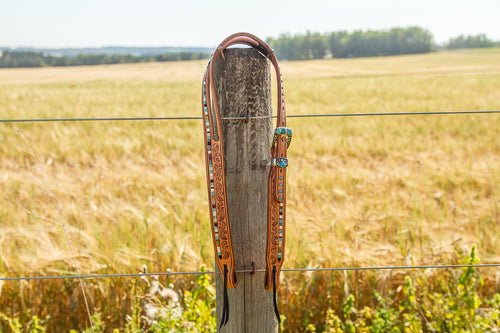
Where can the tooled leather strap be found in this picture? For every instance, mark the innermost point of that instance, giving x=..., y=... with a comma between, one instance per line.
x=216, y=182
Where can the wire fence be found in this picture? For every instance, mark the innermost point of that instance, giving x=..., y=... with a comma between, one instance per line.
x=326, y=269
x=329, y=269
x=368, y=114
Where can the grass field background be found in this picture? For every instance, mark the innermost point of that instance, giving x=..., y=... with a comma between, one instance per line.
x=363, y=191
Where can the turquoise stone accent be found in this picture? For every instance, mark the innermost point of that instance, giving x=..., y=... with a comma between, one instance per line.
x=281, y=177
x=289, y=132
x=278, y=131
x=281, y=184
x=282, y=164
x=280, y=191
x=280, y=197
x=281, y=221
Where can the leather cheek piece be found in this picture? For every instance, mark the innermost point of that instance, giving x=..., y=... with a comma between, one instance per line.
x=216, y=182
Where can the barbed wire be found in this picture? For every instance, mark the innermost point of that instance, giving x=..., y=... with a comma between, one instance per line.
x=330, y=269
x=370, y=114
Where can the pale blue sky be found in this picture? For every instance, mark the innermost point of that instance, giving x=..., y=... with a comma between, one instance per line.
x=68, y=23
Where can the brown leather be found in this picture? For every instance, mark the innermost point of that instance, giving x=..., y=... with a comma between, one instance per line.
x=216, y=183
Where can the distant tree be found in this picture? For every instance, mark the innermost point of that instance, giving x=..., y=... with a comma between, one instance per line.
x=318, y=46
x=337, y=42
x=36, y=59
x=22, y=59
x=288, y=47
x=463, y=42
x=342, y=44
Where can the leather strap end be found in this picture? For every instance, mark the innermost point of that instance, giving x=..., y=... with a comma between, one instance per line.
x=268, y=279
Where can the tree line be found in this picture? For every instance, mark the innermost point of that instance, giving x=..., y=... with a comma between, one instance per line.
x=11, y=59
x=370, y=43
x=464, y=42
x=339, y=44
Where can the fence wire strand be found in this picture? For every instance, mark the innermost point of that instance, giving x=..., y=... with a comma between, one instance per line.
x=329, y=269
x=369, y=114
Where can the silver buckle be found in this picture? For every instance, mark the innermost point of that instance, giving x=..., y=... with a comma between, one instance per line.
x=280, y=162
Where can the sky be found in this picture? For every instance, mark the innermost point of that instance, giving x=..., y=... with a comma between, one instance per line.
x=96, y=23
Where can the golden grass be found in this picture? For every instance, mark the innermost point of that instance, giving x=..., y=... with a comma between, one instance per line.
x=362, y=190
x=179, y=71
x=443, y=63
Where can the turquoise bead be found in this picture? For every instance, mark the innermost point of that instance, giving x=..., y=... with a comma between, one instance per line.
x=278, y=131
x=289, y=132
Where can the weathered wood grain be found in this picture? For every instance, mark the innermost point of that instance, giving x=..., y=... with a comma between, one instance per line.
x=243, y=86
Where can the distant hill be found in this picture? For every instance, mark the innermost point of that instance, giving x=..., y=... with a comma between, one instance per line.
x=112, y=50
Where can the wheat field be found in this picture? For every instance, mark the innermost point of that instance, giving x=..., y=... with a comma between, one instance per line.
x=363, y=191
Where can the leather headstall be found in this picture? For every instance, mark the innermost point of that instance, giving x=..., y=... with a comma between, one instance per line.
x=216, y=180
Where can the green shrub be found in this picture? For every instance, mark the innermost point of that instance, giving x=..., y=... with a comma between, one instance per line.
x=446, y=302
x=453, y=306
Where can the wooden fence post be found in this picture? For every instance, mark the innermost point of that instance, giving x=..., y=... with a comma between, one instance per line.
x=243, y=86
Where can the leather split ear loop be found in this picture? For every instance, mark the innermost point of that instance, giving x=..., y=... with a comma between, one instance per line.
x=216, y=181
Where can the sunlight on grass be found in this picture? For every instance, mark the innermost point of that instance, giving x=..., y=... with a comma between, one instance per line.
x=362, y=191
